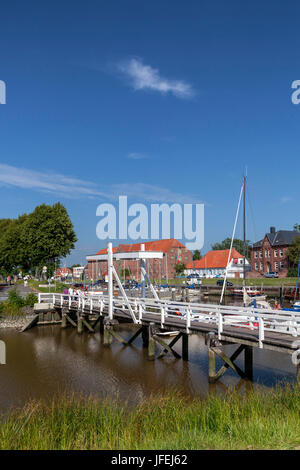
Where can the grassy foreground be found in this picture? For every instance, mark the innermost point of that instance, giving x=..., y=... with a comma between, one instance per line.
x=255, y=421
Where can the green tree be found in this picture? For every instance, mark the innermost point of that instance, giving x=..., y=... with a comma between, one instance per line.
x=197, y=255
x=13, y=254
x=179, y=268
x=237, y=244
x=36, y=239
x=48, y=234
x=294, y=252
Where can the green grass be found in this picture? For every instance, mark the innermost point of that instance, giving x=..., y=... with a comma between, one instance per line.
x=269, y=420
x=35, y=285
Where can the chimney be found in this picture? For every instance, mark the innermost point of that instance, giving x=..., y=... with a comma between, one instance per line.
x=272, y=229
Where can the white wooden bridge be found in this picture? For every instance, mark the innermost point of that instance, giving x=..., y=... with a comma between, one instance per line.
x=157, y=319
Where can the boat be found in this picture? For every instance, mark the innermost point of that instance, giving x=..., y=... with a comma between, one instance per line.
x=251, y=291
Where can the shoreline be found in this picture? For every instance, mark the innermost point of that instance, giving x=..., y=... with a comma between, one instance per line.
x=17, y=323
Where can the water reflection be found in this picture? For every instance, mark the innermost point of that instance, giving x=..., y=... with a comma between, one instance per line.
x=45, y=361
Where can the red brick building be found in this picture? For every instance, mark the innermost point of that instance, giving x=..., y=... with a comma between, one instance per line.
x=270, y=253
x=174, y=252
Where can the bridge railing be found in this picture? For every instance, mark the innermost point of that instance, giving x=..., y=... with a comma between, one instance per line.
x=257, y=320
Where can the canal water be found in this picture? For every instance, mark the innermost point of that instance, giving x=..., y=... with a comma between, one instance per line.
x=46, y=361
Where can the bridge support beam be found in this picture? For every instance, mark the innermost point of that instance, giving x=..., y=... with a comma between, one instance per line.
x=64, y=319
x=110, y=333
x=79, y=325
x=151, y=343
x=185, y=347
x=249, y=362
x=214, y=350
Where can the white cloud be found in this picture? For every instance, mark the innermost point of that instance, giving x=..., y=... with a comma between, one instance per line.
x=70, y=187
x=137, y=156
x=143, y=77
x=285, y=199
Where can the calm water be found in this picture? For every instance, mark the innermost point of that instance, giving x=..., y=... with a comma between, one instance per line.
x=47, y=360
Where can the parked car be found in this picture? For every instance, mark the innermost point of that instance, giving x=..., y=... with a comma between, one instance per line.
x=220, y=282
x=271, y=274
x=130, y=284
x=193, y=276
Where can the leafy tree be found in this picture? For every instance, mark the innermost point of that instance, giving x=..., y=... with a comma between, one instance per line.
x=179, y=268
x=36, y=239
x=237, y=244
x=197, y=255
x=294, y=252
x=48, y=234
x=13, y=253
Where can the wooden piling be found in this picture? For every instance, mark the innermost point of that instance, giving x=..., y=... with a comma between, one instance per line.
x=107, y=337
x=211, y=365
x=151, y=343
x=145, y=336
x=64, y=319
x=79, y=325
x=249, y=362
x=185, y=347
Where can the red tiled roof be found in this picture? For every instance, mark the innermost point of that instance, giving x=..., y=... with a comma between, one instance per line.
x=156, y=245
x=104, y=251
x=214, y=259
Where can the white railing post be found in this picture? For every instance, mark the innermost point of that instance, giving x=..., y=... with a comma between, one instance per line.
x=39, y=298
x=140, y=312
x=162, y=316
x=70, y=301
x=91, y=304
x=261, y=331
x=220, y=324
x=188, y=320
x=110, y=279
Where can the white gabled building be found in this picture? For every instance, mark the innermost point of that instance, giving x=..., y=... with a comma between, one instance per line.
x=214, y=264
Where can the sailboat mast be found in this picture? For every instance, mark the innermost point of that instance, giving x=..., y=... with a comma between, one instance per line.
x=244, y=232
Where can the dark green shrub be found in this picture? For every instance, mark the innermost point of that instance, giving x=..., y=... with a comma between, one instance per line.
x=14, y=299
x=30, y=299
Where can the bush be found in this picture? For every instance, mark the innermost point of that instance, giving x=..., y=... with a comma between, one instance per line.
x=30, y=299
x=14, y=299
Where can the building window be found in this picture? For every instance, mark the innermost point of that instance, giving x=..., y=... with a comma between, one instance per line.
x=269, y=254
x=281, y=253
x=261, y=266
x=276, y=266
x=266, y=253
x=275, y=253
x=255, y=254
x=256, y=266
x=260, y=254
x=281, y=264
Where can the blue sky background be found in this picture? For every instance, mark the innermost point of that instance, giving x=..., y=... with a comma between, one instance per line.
x=164, y=101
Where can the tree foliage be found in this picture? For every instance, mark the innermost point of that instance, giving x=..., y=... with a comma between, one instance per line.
x=237, y=244
x=36, y=239
x=294, y=252
x=197, y=255
x=179, y=268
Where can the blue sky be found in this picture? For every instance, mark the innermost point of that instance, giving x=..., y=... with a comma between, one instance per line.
x=162, y=100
